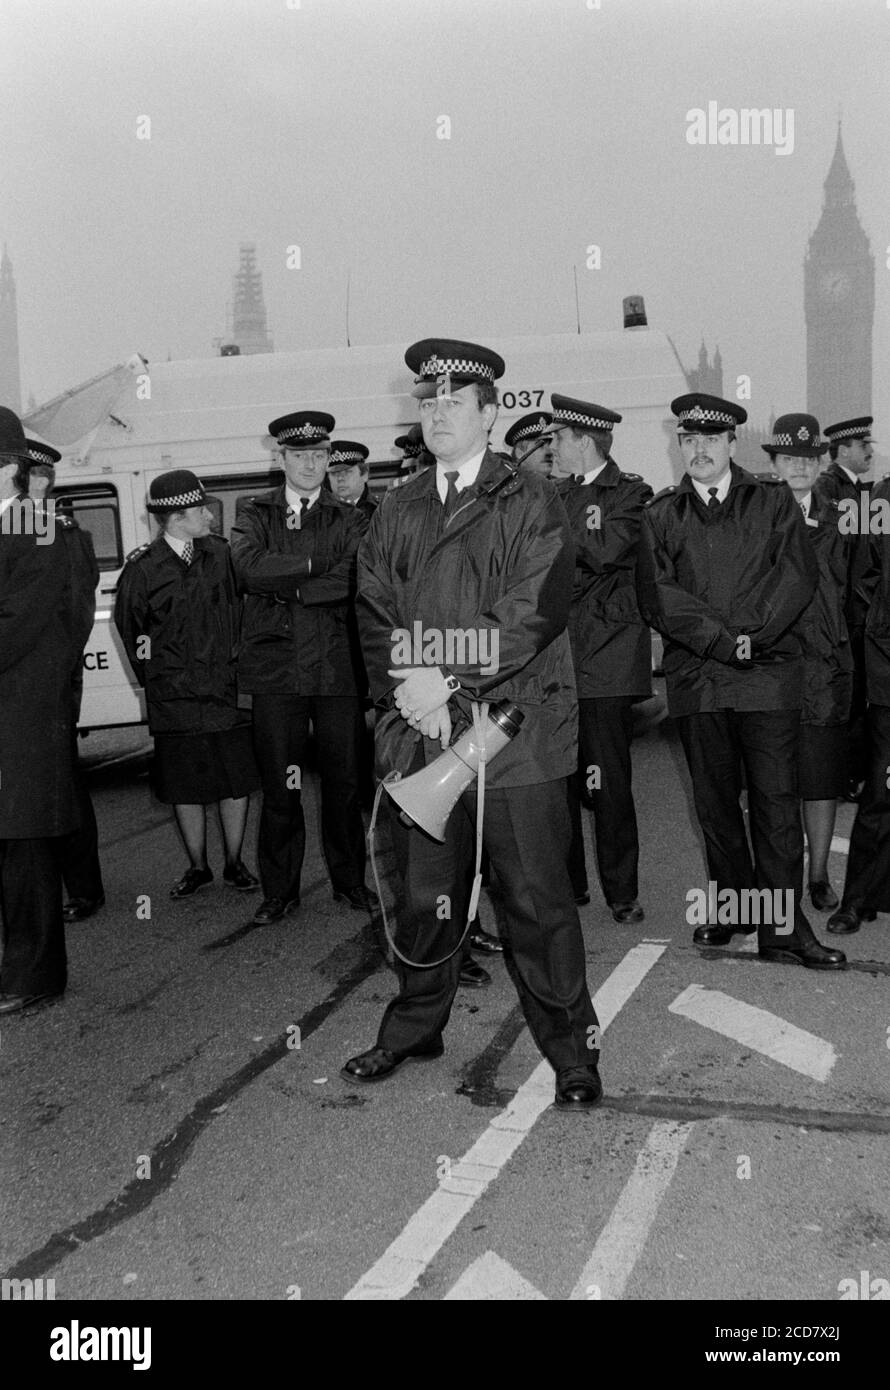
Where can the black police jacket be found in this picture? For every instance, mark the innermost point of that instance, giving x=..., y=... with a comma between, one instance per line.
x=705, y=579
x=834, y=485
x=873, y=595
x=611, y=645
x=503, y=564
x=37, y=654
x=189, y=614
x=822, y=627
x=299, y=584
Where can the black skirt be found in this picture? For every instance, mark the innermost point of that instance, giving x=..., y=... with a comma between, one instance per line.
x=198, y=769
x=824, y=761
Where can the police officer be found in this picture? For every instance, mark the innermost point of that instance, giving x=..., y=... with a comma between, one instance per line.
x=37, y=799
x=850, y=452
x=611, y=645
x=724, y=571
x=473, y=546
x=415, y=457
x=530, y=440
x=348, y=475
x=177, y=612
x=795, y=449
x=294, y=550
x=79, y=851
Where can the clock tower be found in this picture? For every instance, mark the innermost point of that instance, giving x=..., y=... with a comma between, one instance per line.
x=839, y=302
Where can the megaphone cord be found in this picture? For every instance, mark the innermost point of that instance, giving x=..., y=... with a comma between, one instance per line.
x=480, y=714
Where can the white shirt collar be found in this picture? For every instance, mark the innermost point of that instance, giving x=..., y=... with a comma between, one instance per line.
x=293, y=497
x=466, y=474
x=703, y=489
x=175, y=543
x=594, y=473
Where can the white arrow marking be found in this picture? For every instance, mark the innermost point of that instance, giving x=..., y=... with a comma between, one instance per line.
x=401, y=1265
x=625, y=1233
x=489, y=1278
x=767, y=1033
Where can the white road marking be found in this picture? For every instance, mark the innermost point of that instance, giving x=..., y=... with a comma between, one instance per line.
x=767, y=1033
x=400, y=1266
x=612, y=1260
x=489, y=1278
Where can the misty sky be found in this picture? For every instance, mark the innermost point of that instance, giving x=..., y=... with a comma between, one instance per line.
x=317, y=126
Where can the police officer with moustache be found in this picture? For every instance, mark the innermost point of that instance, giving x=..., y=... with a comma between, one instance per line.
x=348, y=474
x=294, y=550
x=530, y=439
x=611, y=645
x=724, y=571
x=415, y=458
x=850, y=452
x=37, y=799
x=79, y=851
x=474, y=545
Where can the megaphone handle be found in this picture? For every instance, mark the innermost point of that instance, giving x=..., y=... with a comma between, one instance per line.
x=384, y=915
x=480, y=715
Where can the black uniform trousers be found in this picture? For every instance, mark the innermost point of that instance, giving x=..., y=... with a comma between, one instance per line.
x=525, y=833
x=280, y=733
x=858, y=724
x=765, y=742
x=867, y=885
x=34, y=960
x=79, y=852
x=605, y=732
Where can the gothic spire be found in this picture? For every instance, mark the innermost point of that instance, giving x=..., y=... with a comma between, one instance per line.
x=839, y=187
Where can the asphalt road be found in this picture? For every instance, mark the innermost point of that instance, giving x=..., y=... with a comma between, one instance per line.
x=164, y=1137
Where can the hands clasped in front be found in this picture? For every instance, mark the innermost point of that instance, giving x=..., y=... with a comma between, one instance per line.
x=422, y=700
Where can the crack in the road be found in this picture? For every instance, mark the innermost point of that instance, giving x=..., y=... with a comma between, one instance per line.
x=168, y=1156
x=478, y=1076
x=685, y=1108
x=865, y=967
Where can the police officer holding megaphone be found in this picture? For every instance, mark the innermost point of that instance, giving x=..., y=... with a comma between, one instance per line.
x=474, y=551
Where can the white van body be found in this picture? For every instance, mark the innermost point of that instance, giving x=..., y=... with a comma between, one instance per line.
x=122, y=428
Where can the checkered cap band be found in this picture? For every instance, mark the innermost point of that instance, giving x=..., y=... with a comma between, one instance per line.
x=346, y=456
x=182, y=499
x=36, y=456
x=455, y=366
x=856, y=432
x=576, y=417
x=537, y=427
x=306, y=431
x=698, y=415
x=413, y=450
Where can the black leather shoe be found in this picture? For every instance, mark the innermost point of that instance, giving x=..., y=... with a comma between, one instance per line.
x=191, y=881
x=848, y=920
x=823, y=896
x=361, y=898
x=240, y=878
x=271, y=909
x=719, y=936
x=627, y=912
x=15, y=1003
x=578, y=1088
x=812, y=954
x=77, y=909
x=378, y=1062
x=483, y=941
x=472, y=975
x=582, y=899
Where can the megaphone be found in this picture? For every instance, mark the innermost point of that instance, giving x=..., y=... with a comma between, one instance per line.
x=428, y=797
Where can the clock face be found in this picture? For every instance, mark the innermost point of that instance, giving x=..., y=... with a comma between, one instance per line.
x=835, y=285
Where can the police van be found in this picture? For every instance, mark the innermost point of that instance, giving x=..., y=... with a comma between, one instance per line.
x=122, y=428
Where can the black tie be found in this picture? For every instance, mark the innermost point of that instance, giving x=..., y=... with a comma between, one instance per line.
x=713, y=504
x=304, y=506
x=452, y=494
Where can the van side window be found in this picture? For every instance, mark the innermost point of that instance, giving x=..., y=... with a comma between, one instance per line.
x=95, y=508
x=223, y=493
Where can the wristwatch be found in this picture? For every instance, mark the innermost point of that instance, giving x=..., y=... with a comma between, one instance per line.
x=453, y=683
